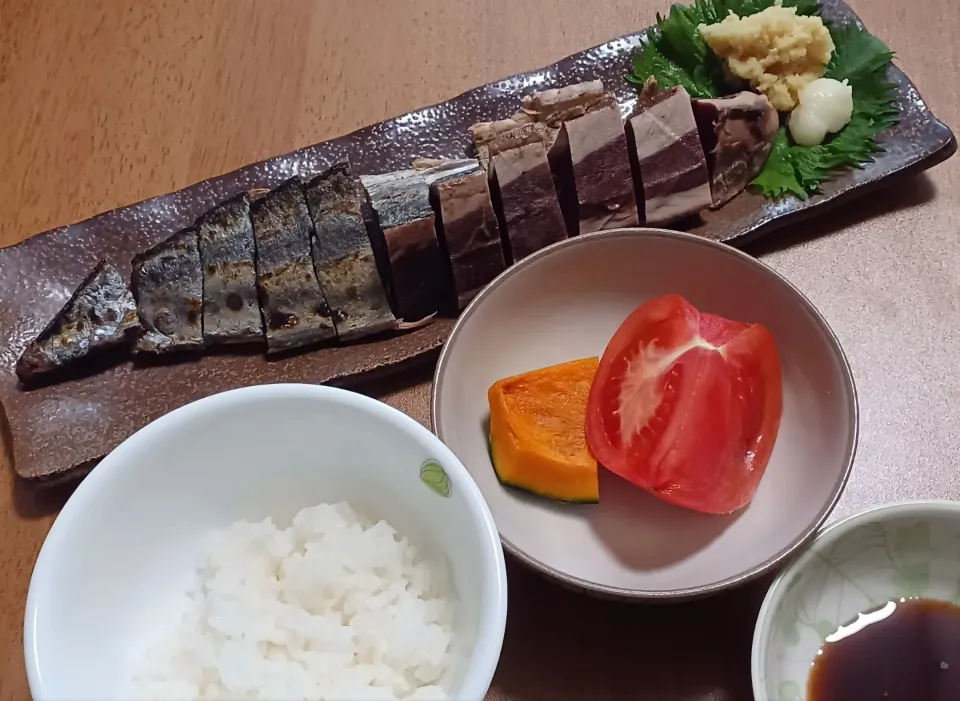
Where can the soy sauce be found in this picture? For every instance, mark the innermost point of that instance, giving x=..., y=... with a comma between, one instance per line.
x=907, y=650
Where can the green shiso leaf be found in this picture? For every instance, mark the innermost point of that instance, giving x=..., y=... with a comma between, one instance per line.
x=675, y=54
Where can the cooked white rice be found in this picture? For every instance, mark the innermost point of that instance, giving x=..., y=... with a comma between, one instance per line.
x=332, y=608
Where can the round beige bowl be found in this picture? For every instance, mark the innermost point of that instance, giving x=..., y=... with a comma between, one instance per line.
x=565, y=302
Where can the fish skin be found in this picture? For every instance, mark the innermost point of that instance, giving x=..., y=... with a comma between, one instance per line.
x=167, y=283
x=343, y=255
x=101, y=314
x=406, y=222
x=231, y=311
x=292, y=302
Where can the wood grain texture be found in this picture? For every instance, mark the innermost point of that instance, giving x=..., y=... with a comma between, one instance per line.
x=104, y=103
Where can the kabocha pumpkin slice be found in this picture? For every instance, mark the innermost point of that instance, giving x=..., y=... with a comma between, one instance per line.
x=537, y=432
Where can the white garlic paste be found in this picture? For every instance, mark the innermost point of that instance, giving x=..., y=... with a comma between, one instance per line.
x=826, y=106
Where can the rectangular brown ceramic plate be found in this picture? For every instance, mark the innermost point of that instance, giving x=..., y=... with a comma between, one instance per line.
x=60, y=430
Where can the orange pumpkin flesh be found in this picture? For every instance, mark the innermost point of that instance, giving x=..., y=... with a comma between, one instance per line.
x=537, y=432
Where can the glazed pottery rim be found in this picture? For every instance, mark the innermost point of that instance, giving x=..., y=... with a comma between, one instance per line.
x=723, y=249
x=921, y=508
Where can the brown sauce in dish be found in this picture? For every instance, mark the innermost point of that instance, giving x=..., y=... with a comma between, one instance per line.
x=906, y=650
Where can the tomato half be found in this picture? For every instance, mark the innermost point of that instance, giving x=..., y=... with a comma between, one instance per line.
x=687, y=405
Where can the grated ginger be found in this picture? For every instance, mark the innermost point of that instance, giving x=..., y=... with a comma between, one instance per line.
x=777, y=51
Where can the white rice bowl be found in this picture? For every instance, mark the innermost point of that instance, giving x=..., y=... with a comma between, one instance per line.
x=333, y=608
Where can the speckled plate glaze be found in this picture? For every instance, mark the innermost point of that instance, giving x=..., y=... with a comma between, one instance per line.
x=894, y=552
x=56, y=431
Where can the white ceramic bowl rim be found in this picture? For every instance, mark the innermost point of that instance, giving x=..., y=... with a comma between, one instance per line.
x=826, y=537
x=743, y=577
x=492, y=619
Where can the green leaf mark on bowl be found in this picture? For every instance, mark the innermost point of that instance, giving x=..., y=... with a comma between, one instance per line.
x=789, y=691
x=825, y=628
x=911, y=580
x=912, y=538
x=434, y=476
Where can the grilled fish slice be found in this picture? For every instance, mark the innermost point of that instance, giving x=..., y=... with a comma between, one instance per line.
x=294, y=308
x=668, y=160
x=516, y=159
x=101, y=314
x=460, y=193
x=587, y=151
x=405, y=221
x=231, y=313
x=343, y=257
x=167, y=283
x=737, y=133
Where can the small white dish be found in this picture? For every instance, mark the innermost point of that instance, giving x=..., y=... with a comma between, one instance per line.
x=111, y=570
x=565, y=302
x=897, y=551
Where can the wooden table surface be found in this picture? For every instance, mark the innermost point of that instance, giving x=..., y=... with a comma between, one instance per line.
x=104, y=103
